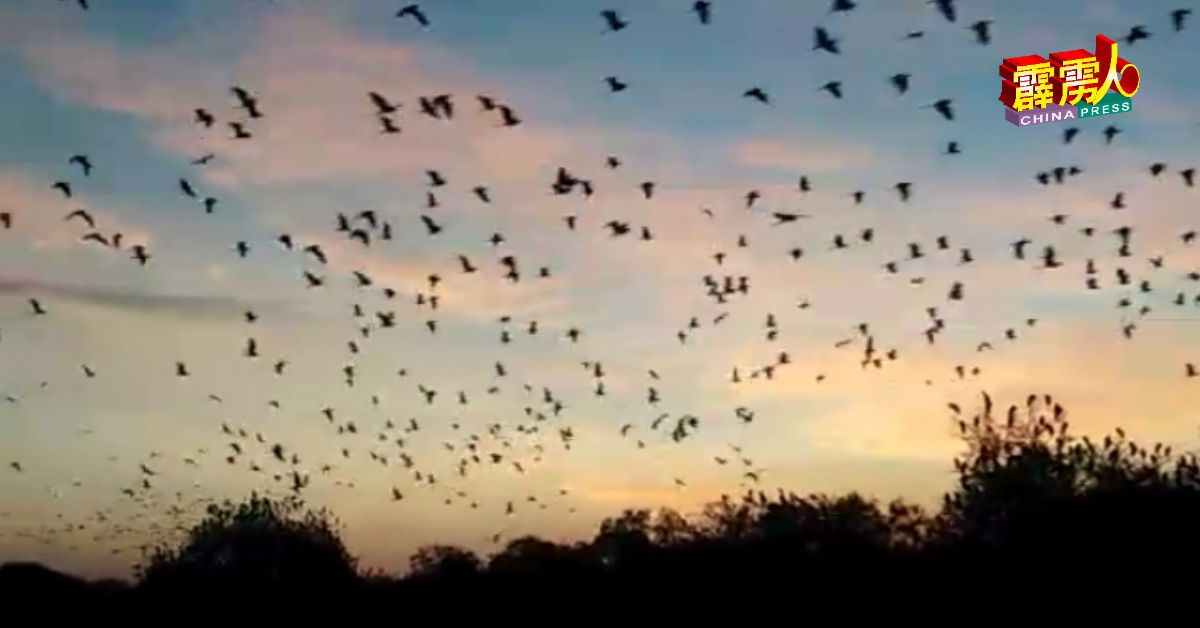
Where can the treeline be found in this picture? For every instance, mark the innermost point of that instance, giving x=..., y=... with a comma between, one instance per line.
x=1030, y=501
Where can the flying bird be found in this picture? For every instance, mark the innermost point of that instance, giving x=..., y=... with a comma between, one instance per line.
x=414, y=11
x=84, y=163
x=703, y=10
x=943, y=107
x=615, y=84
x=382, y=105
x=82, y=215
x=202, y=116
x=1136, y=33
x=900, y=81
x=507, y=117
x=613, y=20
x=822, y=41
x=758, y=94
x=946, y=8
x=246, y=101
x=982, y=35
x=833, y=87
x=1177, y=17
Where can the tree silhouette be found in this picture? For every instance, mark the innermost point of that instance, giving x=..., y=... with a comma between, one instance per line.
x=441, y=563
x=1029, y=497
x=259, y=544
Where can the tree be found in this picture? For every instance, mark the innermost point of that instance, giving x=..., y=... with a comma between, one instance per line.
x=1028, y=488
x=444, y=562
x=259, y=544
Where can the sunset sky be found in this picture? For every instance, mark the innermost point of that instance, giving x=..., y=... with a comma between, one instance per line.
x=119, y=83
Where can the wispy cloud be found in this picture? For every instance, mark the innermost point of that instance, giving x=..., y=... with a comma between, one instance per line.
x=181, y=306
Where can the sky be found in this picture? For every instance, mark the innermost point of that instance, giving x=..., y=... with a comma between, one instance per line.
x=119, y=83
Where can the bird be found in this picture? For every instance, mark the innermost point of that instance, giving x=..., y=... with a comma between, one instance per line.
x=1189, y=176
x=842, y=6
x=783, y=217
x=432, y=227
x=37, y=307
x=187, y=188
x=703, y=10
x=946, y=8
x=382, y=105
x=1136, y=33
x=140, y=254
x=83, y=215
x=239, y=131
x=389, y=126
x=209, y=204
x=1069, y=134
x=982, y=35
x=615, y=84
x=507, y=117
x=943, y=107
x=1177, y=17
x=203, y=160
x=952, y=148
x=204, y=117
x=316, y=251
x=613, y=20
x=6, y=220
x=833, y=87
x=1109, y=133
x=903, y=188
x=900, y=81
x=822, y=41
x=84, y=163
x=64, y=187
x=246, y=101
x=758, y=94
x=414, y=11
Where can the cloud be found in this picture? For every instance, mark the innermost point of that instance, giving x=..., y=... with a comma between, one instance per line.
x=801, y=154
x=29, y=199
x=171, y=305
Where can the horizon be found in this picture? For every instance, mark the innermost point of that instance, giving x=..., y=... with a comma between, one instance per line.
x=120, y=82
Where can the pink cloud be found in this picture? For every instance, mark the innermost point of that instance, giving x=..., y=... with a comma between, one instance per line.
x=801, y=154
x=31, y=202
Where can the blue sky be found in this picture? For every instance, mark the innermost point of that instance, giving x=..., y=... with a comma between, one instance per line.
x=119, y=83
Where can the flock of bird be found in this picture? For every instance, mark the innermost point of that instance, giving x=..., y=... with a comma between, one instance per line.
x=546, y=413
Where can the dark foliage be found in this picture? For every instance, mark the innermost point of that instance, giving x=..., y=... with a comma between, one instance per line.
x=1030, y=499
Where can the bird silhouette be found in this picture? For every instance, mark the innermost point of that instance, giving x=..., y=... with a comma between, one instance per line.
x=246, y=101
x=204, y=117
x=1109, y=133
x=414, y=11
x=64, y=187
x=382, y=105
x=615, y=84
x=84, y=164
x=758, y=94
x=703, y=10
x=822, y=41
x=943, y=107
x=1136, y=33
x=946, y=8
x=833, y=87
x=1177, y=17
x=82, y=215
x=613, y=20
x=982, y=33
x=507, y=117
x=842, y=6
x=900, y=81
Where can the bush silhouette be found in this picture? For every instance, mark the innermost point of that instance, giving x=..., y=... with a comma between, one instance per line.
x=259, y=544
